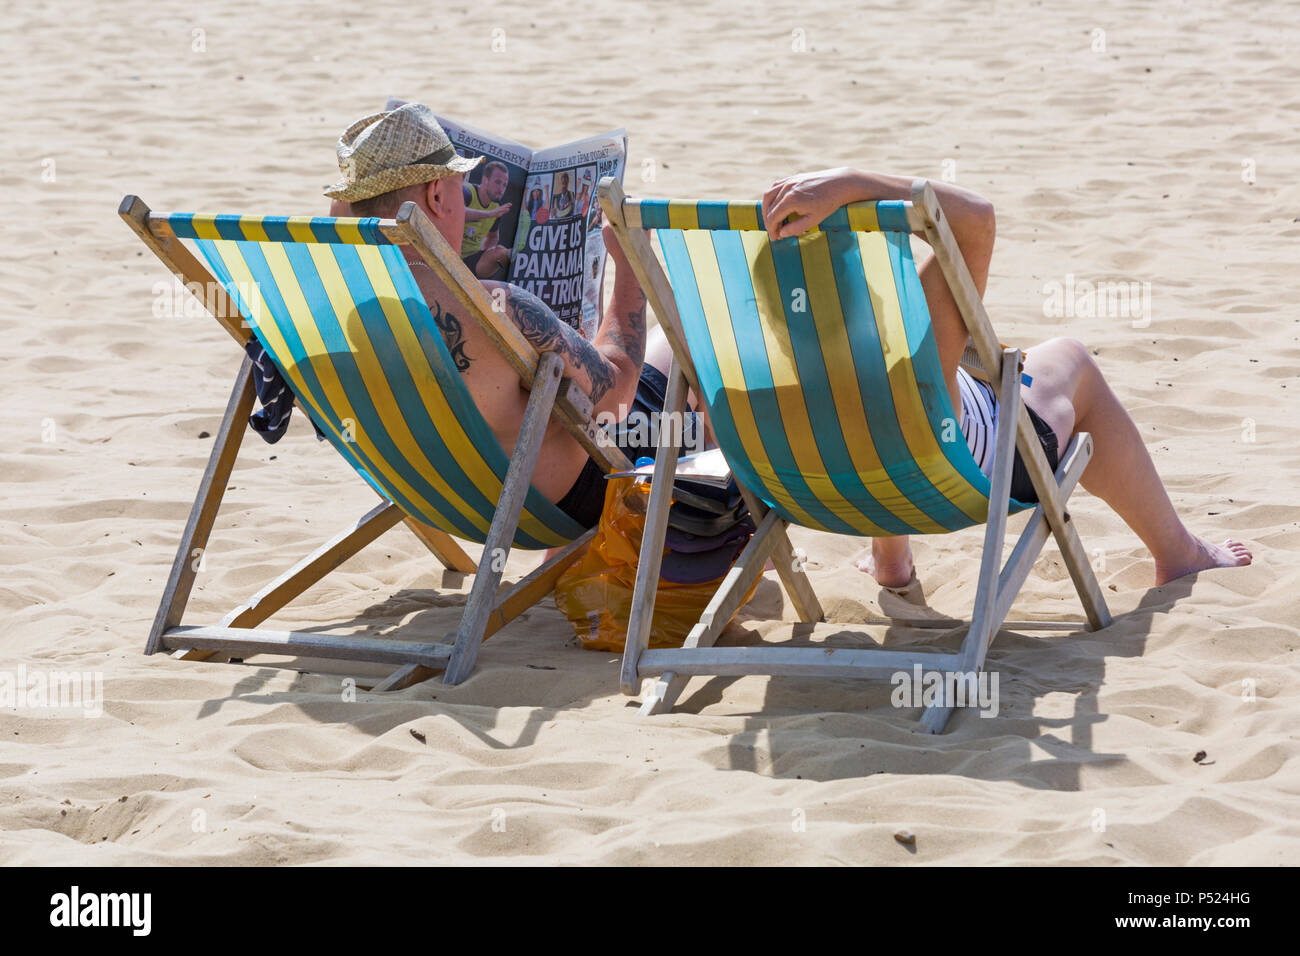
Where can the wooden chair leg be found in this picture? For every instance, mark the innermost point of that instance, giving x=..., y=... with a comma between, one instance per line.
x=531, y=588
x=646, y=586
x=793, y=577
x=314, y=566
x=305, y=573
x=212, y=488
x=249, y=641
x=720, y=609
x=1028, y=546
x=1058, y=519
x=1036, y=532
x=976, y=644
x=443, y=546
x=506, y=520
x=511, y=602
x=310, y=570
x=983, y=626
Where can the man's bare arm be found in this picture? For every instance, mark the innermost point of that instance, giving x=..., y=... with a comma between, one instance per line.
x=622, y=331
x=608, y=368
x=622, y=334
x=811, y=197
x=547, y=333
x=808, y=198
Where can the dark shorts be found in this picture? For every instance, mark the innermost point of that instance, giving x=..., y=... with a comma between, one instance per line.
x=1022, y=489
x=585, y=500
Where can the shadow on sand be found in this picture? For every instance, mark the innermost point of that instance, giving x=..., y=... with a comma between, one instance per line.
x=806, y=728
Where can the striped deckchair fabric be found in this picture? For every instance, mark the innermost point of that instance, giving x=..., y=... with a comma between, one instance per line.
x=816, y=360
x=336, y=306
x=820, y=368
x=282, y=229
x=716, y=214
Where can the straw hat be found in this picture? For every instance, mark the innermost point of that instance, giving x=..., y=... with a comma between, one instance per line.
x=386, y=151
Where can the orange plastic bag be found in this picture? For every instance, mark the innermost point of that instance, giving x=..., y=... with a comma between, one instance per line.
x=595, y=592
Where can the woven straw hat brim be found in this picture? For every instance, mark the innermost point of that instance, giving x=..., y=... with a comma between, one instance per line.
x=386, y=180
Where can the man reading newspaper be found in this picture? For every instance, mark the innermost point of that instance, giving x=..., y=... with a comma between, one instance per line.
x=403, y=155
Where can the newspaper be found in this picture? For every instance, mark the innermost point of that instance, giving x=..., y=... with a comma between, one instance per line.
x=532, y=217
x=706, y=467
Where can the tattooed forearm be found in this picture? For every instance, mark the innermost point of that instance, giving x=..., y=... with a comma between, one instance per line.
x=452, y=334
x=548, y=334
x=535, y=320
x=629, y=335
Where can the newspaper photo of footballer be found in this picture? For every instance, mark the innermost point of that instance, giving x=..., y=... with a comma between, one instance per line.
x=490, y=221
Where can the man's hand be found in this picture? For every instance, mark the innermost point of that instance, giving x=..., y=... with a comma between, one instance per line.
x=807, y=197
x=501, y=210
x=811, y=197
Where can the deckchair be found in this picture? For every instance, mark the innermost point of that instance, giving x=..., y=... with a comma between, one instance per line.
x=337, y=309
x=816, y=361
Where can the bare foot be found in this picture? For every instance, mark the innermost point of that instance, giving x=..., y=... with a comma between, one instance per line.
x=1203, y=555
x=891, y=569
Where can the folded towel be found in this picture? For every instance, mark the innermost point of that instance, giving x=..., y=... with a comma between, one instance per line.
x=273, y=394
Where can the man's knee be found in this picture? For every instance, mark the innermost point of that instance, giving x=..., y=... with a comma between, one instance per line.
x=1071, y=353
x=658, y=353
x=1070, y=382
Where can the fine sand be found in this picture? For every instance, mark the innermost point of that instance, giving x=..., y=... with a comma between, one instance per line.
x=1167, y=157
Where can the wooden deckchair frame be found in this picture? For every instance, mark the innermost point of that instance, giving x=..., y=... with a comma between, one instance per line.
x=489, y=607
x=997, y=585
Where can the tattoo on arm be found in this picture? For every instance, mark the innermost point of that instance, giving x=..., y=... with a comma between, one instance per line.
x=452, y=334
x=631, y=336
x=548, y=334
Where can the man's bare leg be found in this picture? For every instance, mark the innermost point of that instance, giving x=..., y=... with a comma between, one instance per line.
x=1068, y=391
x=1070, y=394
x=657, y=350
x=660, y=354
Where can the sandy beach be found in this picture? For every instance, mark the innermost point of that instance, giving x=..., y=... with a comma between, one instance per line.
x=1153, y=144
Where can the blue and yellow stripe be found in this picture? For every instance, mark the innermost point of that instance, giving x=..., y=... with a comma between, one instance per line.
x=277, y=229
x=713, y=214
x=817, y=361
x=344, y=321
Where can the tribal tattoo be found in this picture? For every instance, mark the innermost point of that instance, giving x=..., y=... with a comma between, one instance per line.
x=452, y=334
x=547, y=333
